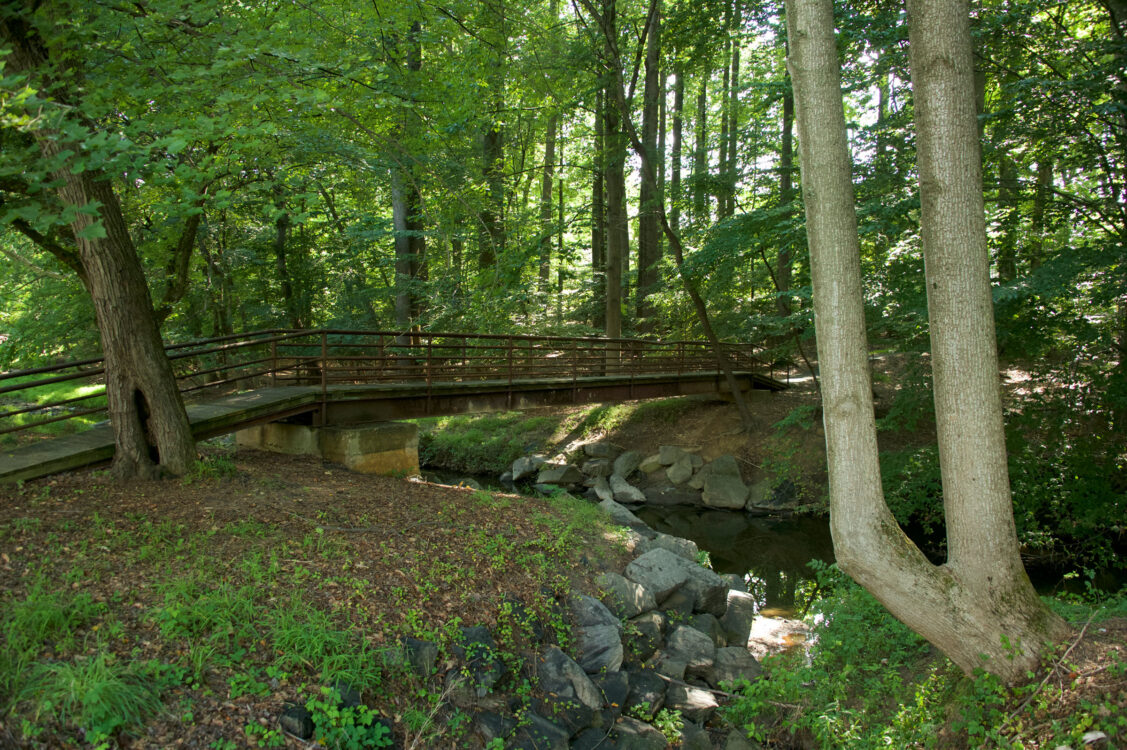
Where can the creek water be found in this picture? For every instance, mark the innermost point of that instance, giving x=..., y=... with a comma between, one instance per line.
x=771, y=554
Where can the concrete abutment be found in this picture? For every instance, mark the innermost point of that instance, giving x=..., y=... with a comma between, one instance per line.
x=387, y=448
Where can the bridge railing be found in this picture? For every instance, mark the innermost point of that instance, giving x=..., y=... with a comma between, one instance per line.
x=70, y=396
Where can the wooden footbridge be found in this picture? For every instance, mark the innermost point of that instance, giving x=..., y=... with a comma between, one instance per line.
x=340, y=377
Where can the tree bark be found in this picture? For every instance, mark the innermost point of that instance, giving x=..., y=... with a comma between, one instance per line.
x=599, y=215
x=700, y=157
x=733, y=170
x=979, y=608
x=786, y=199
x=1037, y=220
x=675, y=197
x=407, y=208
x=547, y=186
x=151, y=431
x=649, y=229
x=618, y=238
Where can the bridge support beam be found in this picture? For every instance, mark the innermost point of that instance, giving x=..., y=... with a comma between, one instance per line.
x=387, y=448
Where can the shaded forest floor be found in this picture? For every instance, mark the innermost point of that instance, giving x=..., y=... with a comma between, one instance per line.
x=228, y=594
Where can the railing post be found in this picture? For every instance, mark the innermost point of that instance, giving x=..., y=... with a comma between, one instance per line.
x=273, y=364
x=324, y=375
x=509, y=397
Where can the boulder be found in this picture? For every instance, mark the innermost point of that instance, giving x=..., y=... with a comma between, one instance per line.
x=738, y=618
x=681, y=471
x=597, y=467
x=593, y=739
x=671, y=454
x=685, y=548
x=625, y=599
x=560, y=675
x=631, y=734
x=695, y=704
x=758, y=495
x=647, y=693
x=559, y=474
x=650, y=464
x=735, y=581
x=478, y=651
x=699, y=478
x=626, y=463
x=570, y=698
x=603, y=491
x=526, y=466
x=665, y=493
x=679, y=606
x=737, y=740
x=709, y=592
x=297, y=720
x=538, y=733
x=725, y=466
x=691, y=646
x=422, y=656
x=710, y=626
x=724, y=491
x=621, y=515
x=599, y=648
x=660, y=571
x=493, y=726
x=694, y=737
x=587, y=610
x=783, y=496
x=731, y=664
x=624, y=492
x=650, y=635
x=614, y=688
x=600, y=450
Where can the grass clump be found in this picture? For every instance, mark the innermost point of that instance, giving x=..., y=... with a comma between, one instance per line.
x=482, y=443
x=97, y=694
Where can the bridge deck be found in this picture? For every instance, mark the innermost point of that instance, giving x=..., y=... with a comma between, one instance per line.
x=352, y=404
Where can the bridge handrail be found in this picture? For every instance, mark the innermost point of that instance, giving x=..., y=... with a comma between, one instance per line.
x=329, y=356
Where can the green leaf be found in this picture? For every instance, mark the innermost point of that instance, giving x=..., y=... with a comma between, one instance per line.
x=93, y=231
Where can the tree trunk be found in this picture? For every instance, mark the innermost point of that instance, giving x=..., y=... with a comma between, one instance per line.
x=151, y=431
x=649, y=230
x=618, y=238
x=786, y=199
x=547, y=186
x=1008, y=214
x=980, y=603
x=675, y=197
x=599, y=215
x=700, y=157
x=1037, y=220
x=733, y=171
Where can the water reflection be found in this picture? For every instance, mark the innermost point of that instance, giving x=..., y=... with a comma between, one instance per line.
x=770, y=553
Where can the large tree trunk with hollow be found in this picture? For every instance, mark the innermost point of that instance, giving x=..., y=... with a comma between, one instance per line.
x=151, y=430
x=979, y=608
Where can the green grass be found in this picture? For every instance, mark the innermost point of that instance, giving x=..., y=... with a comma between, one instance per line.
x=482, y=443
x=92, y=393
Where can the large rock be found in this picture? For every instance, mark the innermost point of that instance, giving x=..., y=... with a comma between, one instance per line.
x=693, y=737
x=624, y=492
x=783, y=496
x=570, y=698
x=731, y=664
x=622, y=516
x=625, y=599
x=538, y=733
x=650, y=464
x=724, y=491
x=561, y=676
x=692, y=646
x=665, y=493
x=614, y=688
x=671, y=454
x=650, y=634
x=478, y=651
x=681, y=471
x=599, y=648
x=695, y=704
x=526, y=466
x=560, y=475
x=587, y=610
x=647, y=693
x=600, y=450
x=660, y=571
x=604, y=492
x=627, y=463
x=631, y=734
x=597, y=467
x=725, y=466
x=710, y=626
x=737, y=620
x=685, y=548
